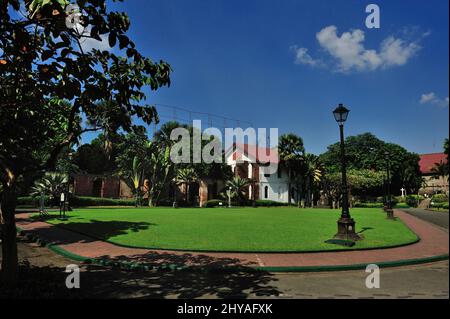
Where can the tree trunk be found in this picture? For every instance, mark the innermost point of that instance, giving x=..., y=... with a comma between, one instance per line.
x=8, y=232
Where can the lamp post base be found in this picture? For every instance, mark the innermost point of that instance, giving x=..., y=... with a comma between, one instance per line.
x=346, y=229
x=390, y=213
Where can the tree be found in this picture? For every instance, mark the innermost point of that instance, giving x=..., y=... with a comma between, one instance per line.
x=366, y=151
x=92, y=159
x=52, y=184
x=185, y=176
x=446, y=148
x=42, y=63
x=290, y=149
x=440, y=170
x=238, y=187
x=360, y=182
x=312, y=175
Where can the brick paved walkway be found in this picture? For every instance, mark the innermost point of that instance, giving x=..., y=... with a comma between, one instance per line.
x=434, y=242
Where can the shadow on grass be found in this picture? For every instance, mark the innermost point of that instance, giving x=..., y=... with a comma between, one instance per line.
x=48, y=282
x=85, y=231
x=365, y=229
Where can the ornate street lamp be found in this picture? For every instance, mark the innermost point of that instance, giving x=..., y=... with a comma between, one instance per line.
x=346, y=224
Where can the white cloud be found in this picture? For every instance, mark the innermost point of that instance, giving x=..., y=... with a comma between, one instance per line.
x=88, y=44
x=302, y=57
x=428, y=97
x=432, y=98
x=350, y=54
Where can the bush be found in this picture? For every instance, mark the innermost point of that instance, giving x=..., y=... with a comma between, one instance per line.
x=439, y=198
x=269, y=203
x=439, y=205
x=31, y=201
x=80, y=201
x=368, y=205
x=414, y=200
x=214, y=203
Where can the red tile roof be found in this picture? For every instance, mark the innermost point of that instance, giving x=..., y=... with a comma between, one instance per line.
x=428, y=161
x=255, y=152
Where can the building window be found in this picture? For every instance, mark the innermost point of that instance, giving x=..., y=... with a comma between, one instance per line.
x=266, y=192
x=267, y=175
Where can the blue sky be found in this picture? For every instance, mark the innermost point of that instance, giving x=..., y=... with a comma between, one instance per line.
x=287, y=64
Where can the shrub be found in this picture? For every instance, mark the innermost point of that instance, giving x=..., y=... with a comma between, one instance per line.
x=214, y=203
x=269, y=203
x=80, y=201
x=414, y=200
x=368, y=205
x=439, y=205
x=32, y=201
x=440, y=198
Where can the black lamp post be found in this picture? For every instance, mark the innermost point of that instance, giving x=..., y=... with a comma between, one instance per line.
x=346, y=224
x=389, y=211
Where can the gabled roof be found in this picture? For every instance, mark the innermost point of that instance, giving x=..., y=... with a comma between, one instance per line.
x=428, y=161
x=253, y=152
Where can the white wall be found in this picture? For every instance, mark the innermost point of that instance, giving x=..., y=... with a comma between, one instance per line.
x=277, y=187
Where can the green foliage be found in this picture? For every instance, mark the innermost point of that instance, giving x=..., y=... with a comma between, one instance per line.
x=440, y=198
x=291, y=151
x=49, y=82
x=52, y=184
x=214, y=203
x=367, y=152
x=269, y=203
x=414, y=200
x=83, y=201
x=438, y=205
x=259, y=203
x=238, y=188
x=32, y=201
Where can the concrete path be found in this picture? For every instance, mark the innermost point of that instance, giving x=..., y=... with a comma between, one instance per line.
x=437, y=218
x=434, y=242
x=44, y=277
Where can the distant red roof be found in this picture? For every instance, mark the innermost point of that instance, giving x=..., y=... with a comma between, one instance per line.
x=428, y=161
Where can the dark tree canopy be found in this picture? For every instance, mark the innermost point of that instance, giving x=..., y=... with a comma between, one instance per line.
x=51, y=84
x=367, y=152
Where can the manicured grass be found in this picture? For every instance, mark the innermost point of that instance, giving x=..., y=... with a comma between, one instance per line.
x=235, y=229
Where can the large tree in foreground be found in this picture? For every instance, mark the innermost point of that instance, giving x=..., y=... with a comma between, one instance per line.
x=44, y=60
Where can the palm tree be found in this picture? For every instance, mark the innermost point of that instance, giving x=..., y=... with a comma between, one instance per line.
x=313, y=174
x=186, y=176
x=290, y=149
x=238, y=186
x=162, y=136
x=440, y=170
x=51, y=184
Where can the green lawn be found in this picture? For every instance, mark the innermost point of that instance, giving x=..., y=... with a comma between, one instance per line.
x=235, y=229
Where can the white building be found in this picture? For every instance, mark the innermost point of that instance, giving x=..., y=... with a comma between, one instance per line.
x=244, y=162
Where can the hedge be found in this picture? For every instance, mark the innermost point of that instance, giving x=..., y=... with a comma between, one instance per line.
x=77, y=201
x=414, y=200
x=259, y=203
x=439, y=205
x=269, y=203
x=439, y=198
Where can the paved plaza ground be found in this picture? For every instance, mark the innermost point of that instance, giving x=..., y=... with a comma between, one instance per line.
x=45, y=269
